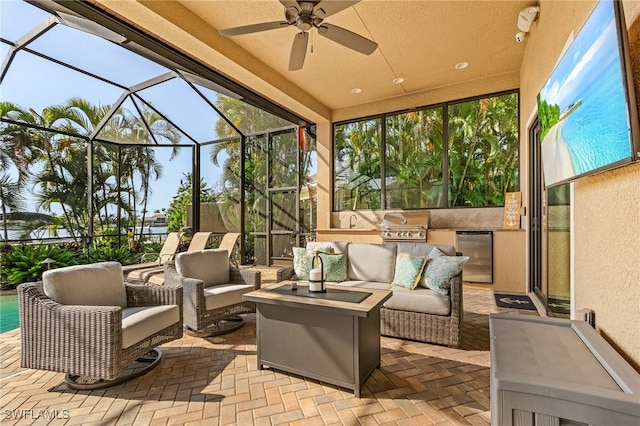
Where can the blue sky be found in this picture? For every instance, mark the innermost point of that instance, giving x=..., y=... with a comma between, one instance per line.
x=33, y=82
x=594, y=47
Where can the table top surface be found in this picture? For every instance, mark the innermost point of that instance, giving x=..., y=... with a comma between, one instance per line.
x=375, y=300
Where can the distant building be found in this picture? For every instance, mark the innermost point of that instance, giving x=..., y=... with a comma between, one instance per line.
x=159, y=219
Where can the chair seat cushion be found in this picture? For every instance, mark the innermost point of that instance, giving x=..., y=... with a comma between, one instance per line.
x=96, y=284
x=141, y=322
x=223, y=295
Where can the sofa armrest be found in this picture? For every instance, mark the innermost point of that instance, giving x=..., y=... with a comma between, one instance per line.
x=455, y=291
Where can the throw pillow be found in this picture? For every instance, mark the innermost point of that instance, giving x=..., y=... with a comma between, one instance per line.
x=303, y=260
x=335, y=266
x=440, y=270
x=435, y=252
x=408, y=271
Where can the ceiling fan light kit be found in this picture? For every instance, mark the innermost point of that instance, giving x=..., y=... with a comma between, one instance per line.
x=306, y=15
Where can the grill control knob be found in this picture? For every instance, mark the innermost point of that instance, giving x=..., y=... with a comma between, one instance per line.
x=419, y=234
x=398, y=234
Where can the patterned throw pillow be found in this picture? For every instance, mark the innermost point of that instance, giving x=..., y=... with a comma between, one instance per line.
x=440, y=269
x=303, y=259
x=335, y=266
x=408, y=271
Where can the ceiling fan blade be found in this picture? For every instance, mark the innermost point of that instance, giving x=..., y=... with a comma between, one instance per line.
x=298, y=51
x=327, y=8
x=290, y=4
x=347, y=38
x=253, y=28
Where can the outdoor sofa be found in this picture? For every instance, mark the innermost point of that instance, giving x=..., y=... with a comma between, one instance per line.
x=414, y=311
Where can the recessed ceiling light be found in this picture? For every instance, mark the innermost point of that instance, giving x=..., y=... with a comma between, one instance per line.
x=398, y=80
x=461, y=65
x=356, y=90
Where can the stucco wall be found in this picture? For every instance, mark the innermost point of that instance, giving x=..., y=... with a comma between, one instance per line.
x=606, y=219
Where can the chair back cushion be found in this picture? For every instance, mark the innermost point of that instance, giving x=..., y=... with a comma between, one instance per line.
x=210, y=266
x=96, y=284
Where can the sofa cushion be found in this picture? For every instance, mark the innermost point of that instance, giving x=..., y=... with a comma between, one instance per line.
x=440, y=269
x=372, y=262
x=334, y=265
x=337, y=246
x=211, y=266
x=303, y=260
x=96, y=284
x=419, y=300
x=408, y=270
x=225, y=295
x=141, y=322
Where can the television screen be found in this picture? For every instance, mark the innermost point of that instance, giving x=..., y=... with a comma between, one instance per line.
x=584, y=108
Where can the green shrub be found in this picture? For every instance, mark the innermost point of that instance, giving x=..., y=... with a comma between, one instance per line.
x=23, y=263
x=115, y=254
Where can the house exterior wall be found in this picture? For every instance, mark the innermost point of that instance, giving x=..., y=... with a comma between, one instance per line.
x=606, y=222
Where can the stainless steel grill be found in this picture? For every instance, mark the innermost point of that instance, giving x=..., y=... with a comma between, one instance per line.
x=405, y=226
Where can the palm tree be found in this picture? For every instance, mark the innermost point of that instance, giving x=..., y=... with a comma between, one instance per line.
x=62, y=180
x=357, y=153
x=249, y=120
x=13, y=171
x=414, y=159
x=483, y=150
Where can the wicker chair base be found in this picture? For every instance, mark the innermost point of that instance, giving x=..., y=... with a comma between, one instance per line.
x=218, y=328
x=140, y=366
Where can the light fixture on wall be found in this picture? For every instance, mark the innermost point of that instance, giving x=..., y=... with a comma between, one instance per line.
x=526, y=18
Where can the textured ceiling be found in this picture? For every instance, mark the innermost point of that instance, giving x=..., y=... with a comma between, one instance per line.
x=420, y=41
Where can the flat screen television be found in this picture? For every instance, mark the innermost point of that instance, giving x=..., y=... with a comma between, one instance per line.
x=587, y=110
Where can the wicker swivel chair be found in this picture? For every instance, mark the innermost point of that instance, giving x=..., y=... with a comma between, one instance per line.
x=213, y=291
x=85, y=321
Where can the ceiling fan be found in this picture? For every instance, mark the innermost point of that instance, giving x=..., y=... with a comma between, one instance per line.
x=306, y=14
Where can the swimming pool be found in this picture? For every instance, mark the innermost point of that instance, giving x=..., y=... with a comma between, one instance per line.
x=8, y=312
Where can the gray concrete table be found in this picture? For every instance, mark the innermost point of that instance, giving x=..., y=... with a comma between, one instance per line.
x=333, y=341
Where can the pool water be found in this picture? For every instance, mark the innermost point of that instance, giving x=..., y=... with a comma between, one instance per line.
x=9, y=319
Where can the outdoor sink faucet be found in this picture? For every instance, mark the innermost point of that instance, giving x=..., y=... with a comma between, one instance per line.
x=352, y=224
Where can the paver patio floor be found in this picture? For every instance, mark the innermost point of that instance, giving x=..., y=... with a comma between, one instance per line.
x=215, y=381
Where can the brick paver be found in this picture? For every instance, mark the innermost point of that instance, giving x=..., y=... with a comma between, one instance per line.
x=215, y=381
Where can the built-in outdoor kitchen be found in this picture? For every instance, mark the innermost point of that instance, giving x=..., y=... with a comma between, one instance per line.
x=506, y=259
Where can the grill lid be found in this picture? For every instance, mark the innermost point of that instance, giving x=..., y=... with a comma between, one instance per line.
x=405, y=226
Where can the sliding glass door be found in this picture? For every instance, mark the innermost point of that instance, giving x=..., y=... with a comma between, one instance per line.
x=550, y=236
